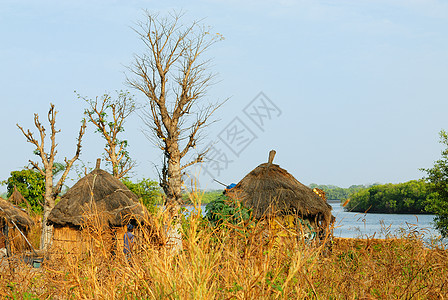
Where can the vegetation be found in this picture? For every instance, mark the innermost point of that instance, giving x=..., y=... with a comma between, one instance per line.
x=437, y=176
x=47, y=168
x=174, y=75
x=31, y=184
x=108, y=115
x=147, y=190
x=234, y=261
x=206, y=196
x=337, y=193
x=409, y=197
x=231, y=260
x=224, y=210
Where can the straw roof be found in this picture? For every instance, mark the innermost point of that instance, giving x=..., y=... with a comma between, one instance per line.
x=270, y=190
x=16, y=197
x=98, y=193
x=12, y=213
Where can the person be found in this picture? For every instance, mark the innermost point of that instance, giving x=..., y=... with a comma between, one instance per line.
x=128, y=240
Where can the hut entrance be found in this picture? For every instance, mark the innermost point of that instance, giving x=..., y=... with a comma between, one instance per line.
x=3, y=236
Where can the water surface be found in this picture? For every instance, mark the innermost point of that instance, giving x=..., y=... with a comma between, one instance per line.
x=373, y=225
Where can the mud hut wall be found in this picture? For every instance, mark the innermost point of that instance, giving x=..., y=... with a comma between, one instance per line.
x=73, y=240
x=17, y=242
x=68, y=240
x=15, y=239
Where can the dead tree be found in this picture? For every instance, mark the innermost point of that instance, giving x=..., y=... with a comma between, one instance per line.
x=51, y=191
x=174, y=77
x=109, y=116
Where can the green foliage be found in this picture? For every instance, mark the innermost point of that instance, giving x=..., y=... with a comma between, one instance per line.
x=109, y=116
x=58, y=168
x=437, y=176
x=31, y=184
x=206, y=196
x=337, y=193
x=147, y=190
x=408, y=197
x=224, y=209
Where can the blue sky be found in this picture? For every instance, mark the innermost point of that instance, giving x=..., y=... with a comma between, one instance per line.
x=360, y=86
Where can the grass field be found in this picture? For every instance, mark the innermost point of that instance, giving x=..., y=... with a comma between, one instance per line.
x=238, y=262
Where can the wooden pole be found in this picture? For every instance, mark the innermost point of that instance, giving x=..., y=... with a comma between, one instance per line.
x=271, y=157
x=98, y=163
x=220, y=182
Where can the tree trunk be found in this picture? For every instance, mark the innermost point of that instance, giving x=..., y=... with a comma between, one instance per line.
x=173, y=201
x=47, y=230
x=113, y=160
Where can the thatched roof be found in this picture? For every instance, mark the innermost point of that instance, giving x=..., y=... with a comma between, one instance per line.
x=97, y=194
x=12, y=213
x=16, y=197
x=270, y=190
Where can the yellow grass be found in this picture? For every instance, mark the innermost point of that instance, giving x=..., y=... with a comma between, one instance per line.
x=239, y=262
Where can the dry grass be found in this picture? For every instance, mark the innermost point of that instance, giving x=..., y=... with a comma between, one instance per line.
x=239, y=262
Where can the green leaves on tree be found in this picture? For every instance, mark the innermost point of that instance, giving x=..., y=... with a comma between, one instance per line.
x=437, y=177
x=148, y=191
x=31, y=184
x=408, y=197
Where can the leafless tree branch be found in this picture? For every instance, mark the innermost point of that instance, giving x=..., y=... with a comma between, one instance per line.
x=174, y=77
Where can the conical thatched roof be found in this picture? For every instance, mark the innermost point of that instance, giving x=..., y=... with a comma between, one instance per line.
x=16, y=197
x=98, y=193
x=12, y=213
x=270, y=190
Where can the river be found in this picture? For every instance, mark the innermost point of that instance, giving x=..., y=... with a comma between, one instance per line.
x=362, y=225
x=372, y=225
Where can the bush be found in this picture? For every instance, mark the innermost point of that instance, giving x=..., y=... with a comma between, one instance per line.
x=225, y=209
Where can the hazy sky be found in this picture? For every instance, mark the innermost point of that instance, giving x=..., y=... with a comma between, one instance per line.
x=353, y=91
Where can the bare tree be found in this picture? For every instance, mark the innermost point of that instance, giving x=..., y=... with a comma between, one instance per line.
x=51, y=191
x=174, y=77
x=109, y=126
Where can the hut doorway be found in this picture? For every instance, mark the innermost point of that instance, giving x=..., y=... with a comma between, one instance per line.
x=3, y=238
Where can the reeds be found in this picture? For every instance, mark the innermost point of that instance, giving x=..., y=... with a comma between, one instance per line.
x=237, y=262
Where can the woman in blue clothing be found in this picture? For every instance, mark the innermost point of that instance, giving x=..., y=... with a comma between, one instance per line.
x=128, y=240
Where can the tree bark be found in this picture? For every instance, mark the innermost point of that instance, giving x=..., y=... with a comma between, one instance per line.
x=173, y=201
x=175, y=117
x=51, y=192
x=47, y=230
x=109, y=116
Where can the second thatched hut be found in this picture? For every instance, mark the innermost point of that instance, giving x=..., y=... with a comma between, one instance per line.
x=272, y=193
x=94, y=213
x=15, y=225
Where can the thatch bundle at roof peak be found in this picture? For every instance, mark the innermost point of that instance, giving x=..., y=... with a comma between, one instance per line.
x=270, y=190
x=97, y=194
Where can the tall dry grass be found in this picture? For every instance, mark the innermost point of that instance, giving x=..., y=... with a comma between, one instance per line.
x=238, y=262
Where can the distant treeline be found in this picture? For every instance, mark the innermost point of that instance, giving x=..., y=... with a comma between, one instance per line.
x=337, y=193
x=205, y=196
x=408, y=197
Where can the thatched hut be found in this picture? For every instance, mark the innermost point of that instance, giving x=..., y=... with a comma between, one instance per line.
x=271, y=192
x=95, y=210
x=15, y=225
x=17, y=198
